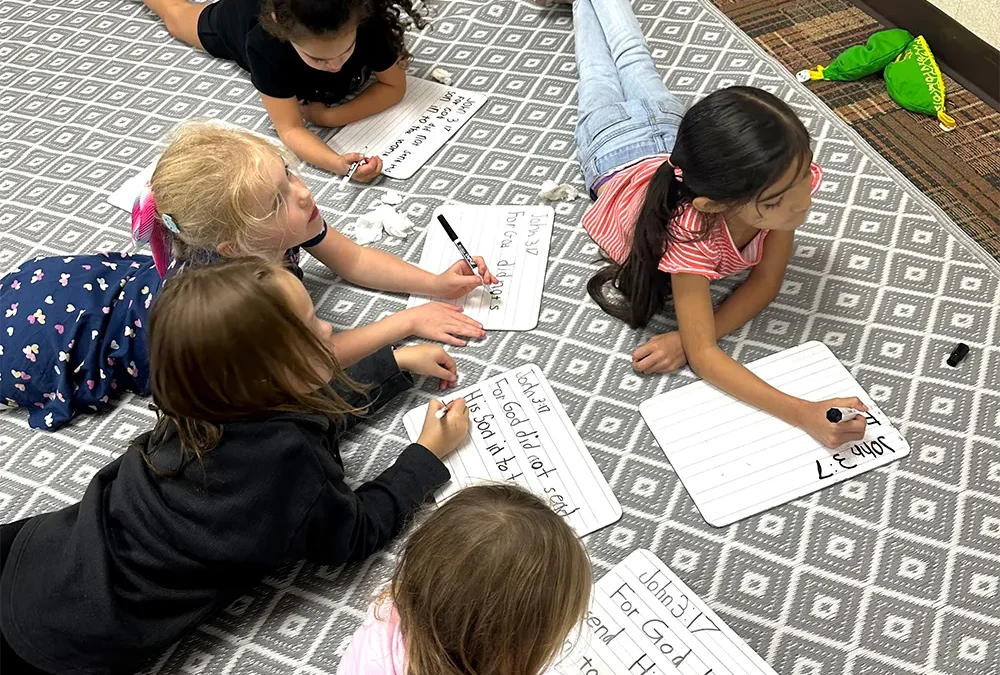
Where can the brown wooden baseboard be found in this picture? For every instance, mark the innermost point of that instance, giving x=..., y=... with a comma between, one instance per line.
x=960, y=52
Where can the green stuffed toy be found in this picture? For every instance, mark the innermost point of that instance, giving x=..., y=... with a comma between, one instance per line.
x=914, y=81
x=863, y=60
x=911, y=74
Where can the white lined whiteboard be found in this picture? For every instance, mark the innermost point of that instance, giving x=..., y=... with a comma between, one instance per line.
x=514, y=241
x=520, y=432
x=644, y=620
x=736, y=461
x=410, y=132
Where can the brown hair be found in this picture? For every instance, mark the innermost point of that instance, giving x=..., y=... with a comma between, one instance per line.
x=210, y=180
x=226, y=346
x=492, y=583
x=293, y=20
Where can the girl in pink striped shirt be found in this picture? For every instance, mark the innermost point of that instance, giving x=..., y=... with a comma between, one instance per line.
x=684, y=198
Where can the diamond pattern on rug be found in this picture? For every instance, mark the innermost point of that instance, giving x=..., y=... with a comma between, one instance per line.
x=892, y=572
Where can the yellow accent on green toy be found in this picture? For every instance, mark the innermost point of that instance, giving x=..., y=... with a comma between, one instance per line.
x=914, y=81
x=863, y=60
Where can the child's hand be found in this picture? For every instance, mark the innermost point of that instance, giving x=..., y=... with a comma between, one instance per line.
x=365, y=173
x=442, y=322
x=442, y=436
x=430, y=360
x=661, y=354
x=459, y=279
x=812, y=420
x=319, y=114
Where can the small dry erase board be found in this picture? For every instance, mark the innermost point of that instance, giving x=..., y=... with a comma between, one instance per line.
x=737, y=461
x=406, y=135
x=644, y=620
x=520, y=432
x=514, y=241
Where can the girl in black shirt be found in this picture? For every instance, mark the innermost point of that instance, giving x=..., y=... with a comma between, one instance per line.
x=241, y=471
x=303, y=56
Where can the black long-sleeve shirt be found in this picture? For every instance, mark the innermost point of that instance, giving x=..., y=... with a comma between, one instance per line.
x=103, y=585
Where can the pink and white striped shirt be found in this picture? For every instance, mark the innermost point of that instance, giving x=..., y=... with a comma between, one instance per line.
x=611, y=219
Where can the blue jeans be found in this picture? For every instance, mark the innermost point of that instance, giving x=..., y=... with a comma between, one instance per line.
x=625, y=112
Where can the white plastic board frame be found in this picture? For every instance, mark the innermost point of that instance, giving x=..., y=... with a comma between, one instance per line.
x=514, y=241
x=520, y=432
x=644, y=620
x=737, y=461
x=406, y=135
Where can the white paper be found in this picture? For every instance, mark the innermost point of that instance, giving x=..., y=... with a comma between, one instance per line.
x=520, y=432
x=410, y=132
x=736, y=461
x=125, y=196
x=644, y=620
x=514, y=241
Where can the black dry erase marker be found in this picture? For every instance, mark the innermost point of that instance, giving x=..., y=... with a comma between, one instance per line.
x=461, y=249
x=957, y=354
x=836, y=415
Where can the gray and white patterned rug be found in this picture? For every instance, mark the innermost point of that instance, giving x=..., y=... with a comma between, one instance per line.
x=897, y=571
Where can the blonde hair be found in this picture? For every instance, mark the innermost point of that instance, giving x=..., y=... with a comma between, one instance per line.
x=492, y=583
x=210, y=180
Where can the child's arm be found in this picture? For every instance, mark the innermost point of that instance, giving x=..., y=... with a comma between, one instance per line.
x=381, y=95
x=664, y=353
x=377, y=269
x=436, y=321
x=345, y=525
x=693, y=304
x=372, y=268
x=307, y=146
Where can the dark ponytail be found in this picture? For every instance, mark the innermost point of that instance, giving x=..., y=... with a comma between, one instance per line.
x=731, y=146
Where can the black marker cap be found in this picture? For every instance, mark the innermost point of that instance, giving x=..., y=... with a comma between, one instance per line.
x=834, y=415
x=957, y=354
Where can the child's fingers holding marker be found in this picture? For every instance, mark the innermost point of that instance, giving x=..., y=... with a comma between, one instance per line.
x=457, y=280
x=442, y=435
x=368, y=171
x=484, y=271
x=850, y=402
x=813, y=420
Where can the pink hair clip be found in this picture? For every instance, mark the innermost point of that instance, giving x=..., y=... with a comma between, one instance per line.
x=678, y=172
x=148, y=227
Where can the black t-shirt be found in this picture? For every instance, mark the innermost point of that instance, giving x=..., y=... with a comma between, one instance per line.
x=104, y=584
x=276, y=69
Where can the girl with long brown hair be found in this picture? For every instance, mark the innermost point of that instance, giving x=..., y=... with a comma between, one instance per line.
x=492, y=583
x=241, y=471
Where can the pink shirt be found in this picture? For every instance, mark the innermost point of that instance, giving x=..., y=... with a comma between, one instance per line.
x=377, y=645
x=610, y=221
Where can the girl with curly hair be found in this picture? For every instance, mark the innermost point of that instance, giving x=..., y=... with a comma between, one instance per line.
x=304, y=58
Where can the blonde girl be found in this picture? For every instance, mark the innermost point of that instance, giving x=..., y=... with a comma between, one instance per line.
x=241, y=472
x=75, y=328
x=492, y=583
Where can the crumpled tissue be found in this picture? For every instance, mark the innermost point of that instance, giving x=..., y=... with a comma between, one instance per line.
x=553, y=192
